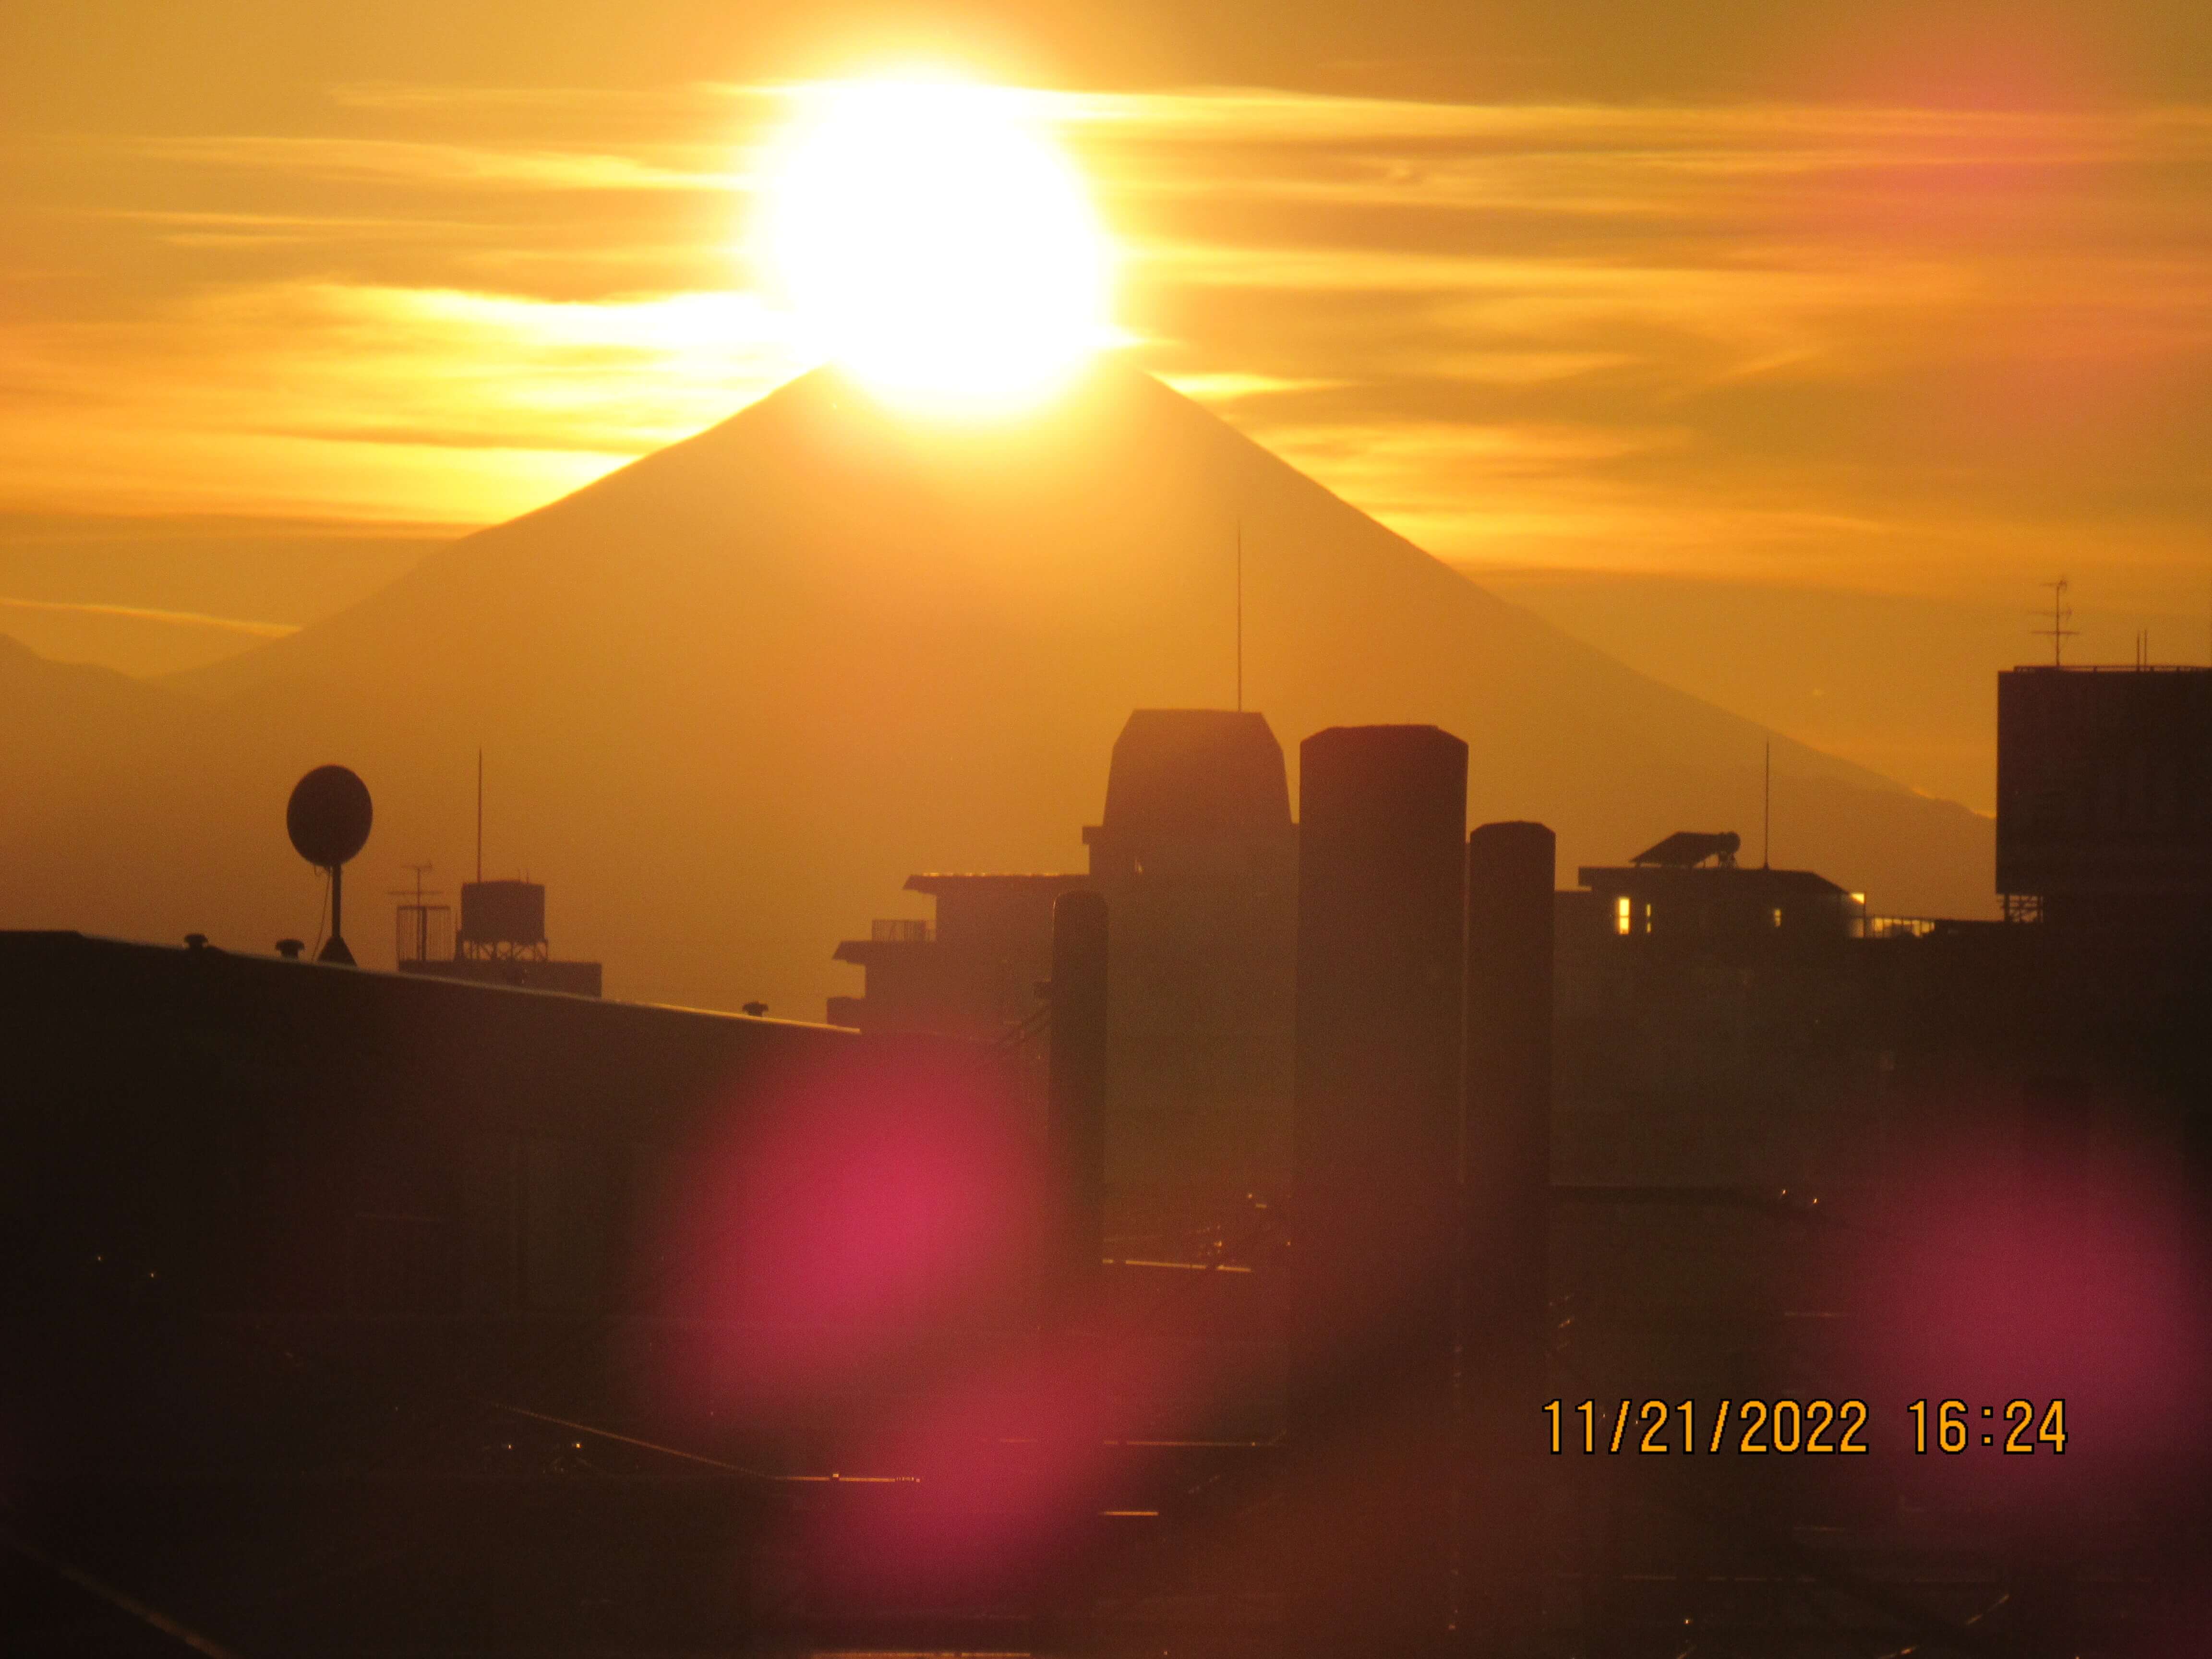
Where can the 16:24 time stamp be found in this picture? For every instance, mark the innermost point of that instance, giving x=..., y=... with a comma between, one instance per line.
x=1754, y=1427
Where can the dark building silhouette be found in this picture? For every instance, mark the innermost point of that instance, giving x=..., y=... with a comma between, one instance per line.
x=346, y=1282
x=310, y=1257
x=374, y=1140
x=1504, y=1287
x=1075, y=1119
x=1375, y=1191
x=1711, y=1017
x=1761, y=1131
x=973, y=972
x=1196, y=857
x=401, y=1292
x=1748, y=1074
x=1689, y=891
x=2104, y=797
x=500, y=940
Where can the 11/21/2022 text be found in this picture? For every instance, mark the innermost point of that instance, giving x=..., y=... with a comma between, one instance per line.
x=1808, y=1428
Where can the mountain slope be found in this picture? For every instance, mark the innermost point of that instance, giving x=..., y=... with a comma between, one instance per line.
x=733, y=693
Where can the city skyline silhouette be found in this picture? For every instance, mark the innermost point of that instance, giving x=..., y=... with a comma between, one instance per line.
x=875, y=833
x=706, y=678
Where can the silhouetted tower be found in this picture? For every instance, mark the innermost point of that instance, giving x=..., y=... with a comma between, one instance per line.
x=1503, y=1288
x=328, y=818
x=1196, y=857
x=1382, y=825
x=1075, y=1122
x=2104, y=797
x=1075, y=1147
x=424, y=932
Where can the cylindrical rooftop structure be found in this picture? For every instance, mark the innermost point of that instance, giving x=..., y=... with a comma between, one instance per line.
x=1075, y=1125
x=1509, y=874
x=1383, y=823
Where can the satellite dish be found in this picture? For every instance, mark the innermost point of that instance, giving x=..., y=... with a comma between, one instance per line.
x=328, y=818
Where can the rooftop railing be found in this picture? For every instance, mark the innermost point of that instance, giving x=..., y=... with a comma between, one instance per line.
x=1894, y=927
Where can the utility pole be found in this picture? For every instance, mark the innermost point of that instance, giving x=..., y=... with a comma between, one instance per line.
x=1240, y=616
x=1767, y=812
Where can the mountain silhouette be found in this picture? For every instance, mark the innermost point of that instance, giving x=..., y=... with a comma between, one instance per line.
x=733, y=693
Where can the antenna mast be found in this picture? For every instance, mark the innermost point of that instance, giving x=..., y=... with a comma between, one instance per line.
x=2061, y=614
x=1767, y=812
x=1240, y=616
x=479, y=814
x=420, y=907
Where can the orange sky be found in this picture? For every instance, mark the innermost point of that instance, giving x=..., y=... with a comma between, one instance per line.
x=1897, y=308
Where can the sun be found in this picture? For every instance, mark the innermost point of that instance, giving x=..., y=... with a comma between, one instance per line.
x=929, y=236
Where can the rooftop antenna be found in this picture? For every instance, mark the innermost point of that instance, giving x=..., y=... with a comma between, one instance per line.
x=479, y=814
x=1240, y=616
x=328, y=818
x=420, y=907
x=2061, y=614
x=1767, y=812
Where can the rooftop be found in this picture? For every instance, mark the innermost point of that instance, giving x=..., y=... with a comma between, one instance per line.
x=1196, y=772
x=940, y=882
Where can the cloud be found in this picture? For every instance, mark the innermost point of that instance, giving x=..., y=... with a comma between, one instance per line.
x=476, y=166
x=277, y=383
x=262, y=630
x=1917, y=345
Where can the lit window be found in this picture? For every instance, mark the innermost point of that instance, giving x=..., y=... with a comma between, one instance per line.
x=1774, y=915
x=1623, y=919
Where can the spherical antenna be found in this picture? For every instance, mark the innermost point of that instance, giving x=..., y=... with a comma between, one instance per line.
x=329, y=816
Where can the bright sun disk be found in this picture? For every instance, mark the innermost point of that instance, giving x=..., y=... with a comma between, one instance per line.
x=929, y=236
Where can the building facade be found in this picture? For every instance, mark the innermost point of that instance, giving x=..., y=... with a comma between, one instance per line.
x=2105, y=796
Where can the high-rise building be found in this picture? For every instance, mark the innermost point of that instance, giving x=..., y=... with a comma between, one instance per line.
x=1197, y=858
x=975, y=971
x=2105, y=796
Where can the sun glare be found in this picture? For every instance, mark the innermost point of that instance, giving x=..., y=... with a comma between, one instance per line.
x=930, y=236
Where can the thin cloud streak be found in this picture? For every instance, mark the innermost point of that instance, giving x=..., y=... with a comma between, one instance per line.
x=471, y=166
x=260, y=630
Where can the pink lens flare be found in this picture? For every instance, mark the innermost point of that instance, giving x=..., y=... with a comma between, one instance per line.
x=1010, y=1464
x=2032, y=1272
x=873, y=1205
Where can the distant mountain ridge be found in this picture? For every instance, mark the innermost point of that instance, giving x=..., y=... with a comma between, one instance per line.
x=731, y=694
